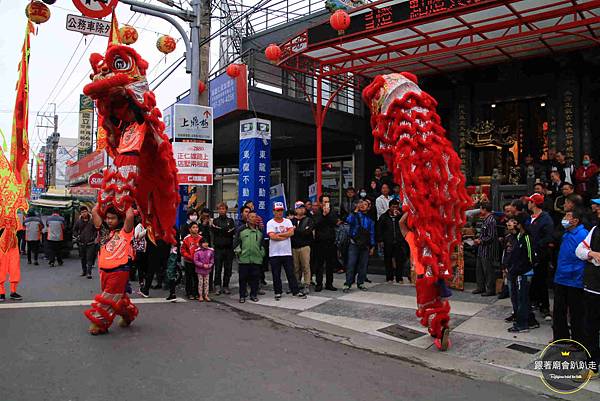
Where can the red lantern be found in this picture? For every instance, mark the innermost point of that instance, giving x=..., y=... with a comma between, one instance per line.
x=37, y=12
x=273, y=52
x=340, y=21
x=233, y=70
x=166, y=44
x=201, y=87
x=129, y=35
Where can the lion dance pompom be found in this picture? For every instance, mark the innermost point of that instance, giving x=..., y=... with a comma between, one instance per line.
x=408, y=134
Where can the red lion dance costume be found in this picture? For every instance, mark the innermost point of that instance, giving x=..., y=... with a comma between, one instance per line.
x=144, y=171
x=408, y=133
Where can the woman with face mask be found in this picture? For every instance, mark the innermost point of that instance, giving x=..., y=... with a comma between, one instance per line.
x=585, y=178
x=192, y=217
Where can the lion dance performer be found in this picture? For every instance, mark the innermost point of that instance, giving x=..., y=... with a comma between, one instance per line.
x=408, y=134
x=13, y=195
x=144, y=171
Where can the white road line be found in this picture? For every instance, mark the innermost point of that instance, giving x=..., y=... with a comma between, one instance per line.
x=52, y=304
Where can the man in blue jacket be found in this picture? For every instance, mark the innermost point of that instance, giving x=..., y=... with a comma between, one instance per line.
x=541, y=228
x=568, y=281
x=362, y=244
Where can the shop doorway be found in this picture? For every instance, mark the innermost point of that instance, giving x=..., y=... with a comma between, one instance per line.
x=338, y=174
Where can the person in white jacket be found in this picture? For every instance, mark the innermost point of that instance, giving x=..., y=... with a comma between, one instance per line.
x=382, y=203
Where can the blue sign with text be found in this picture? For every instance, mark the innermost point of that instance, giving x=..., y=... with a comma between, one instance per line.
x=255, y=166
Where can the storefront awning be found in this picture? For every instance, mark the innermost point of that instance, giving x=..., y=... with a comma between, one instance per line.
x=438, y=36
x=49, y=203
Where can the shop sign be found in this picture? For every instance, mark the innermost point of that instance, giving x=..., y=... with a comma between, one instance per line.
x=41, y=171
x=228, y=94
x=192, y=122
x=384, y=16
x=194, y=162
x=95, y=180
x=93, y=161
x=86, y=121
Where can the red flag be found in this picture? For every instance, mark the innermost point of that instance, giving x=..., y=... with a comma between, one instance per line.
x=115, y=34
x=19, y=149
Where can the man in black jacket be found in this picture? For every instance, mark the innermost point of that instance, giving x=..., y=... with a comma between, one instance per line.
x=301, y=241
x=86, y=235
x=223, y=229
x=325, y=250
x=394, y=245
x=541, y=228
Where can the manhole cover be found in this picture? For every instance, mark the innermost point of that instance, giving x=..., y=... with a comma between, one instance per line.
x=523, y=348
x=401, y=332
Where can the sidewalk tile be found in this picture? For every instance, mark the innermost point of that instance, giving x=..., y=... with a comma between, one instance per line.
x=498, y=328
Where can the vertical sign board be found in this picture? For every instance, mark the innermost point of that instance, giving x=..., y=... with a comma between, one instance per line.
x=168, y=120
x=41, y=170
x=86, y=118
x=254, y=179
x=228, y=94
x=312, y=192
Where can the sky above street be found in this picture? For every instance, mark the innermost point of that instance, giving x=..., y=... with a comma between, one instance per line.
x=55, y=50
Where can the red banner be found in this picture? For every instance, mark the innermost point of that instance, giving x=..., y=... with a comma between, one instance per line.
x=93, y=161
x=41, y=171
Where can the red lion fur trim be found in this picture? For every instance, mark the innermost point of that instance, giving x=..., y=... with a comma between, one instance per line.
x=415, y=148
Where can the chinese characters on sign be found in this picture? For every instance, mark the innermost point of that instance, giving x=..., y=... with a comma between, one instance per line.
x=41, y=170
x=87, y=26
x=422, y=8
x=228, y=94
x=194, y=163
x=255, y=165
x=86, y=122
x=378, y=18
x=193, y=122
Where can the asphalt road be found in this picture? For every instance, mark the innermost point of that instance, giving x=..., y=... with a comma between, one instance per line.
x=191, y=351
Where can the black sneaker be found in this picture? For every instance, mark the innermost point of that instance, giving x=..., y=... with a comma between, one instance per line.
x=263, y=282
x=36, y=263
x=51, y=264
x=15, y=297
x=300, y=295
x=83, y=274
x=89, y=276
x=277, y=297
x=362, y=288
x=318, y=288
x=515, y=329
x=144, y=293
x=226, y=291
x=367, y=280
x=510, y=319
x=534, y=324
x=171, y=297
x=253, y=299
x=2, y=297
x=330, y=288
x=242, y=300
x=261, y=292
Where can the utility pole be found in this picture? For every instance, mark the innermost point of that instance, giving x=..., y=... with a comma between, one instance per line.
x=51, y=146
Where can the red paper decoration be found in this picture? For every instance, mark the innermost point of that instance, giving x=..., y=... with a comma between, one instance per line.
x=340, y=21
x=233, y=70
x=166, y=44
x=37, y=12
x=273, y=52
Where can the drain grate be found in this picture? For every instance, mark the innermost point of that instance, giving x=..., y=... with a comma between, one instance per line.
x=523, y=348
x=404, y=333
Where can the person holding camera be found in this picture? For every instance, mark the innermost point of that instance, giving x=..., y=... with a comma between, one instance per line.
x=394, y=245
x=362, y=245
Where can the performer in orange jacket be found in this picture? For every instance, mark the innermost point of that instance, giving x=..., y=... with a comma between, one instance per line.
x=114, y=262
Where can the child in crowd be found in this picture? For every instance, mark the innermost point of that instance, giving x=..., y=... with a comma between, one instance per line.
x=204, y=259
x=188, y=246
x=172, y=273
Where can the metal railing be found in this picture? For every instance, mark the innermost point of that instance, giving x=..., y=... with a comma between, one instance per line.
x=278, y=12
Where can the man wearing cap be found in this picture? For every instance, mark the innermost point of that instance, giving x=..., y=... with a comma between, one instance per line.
x=301, y=241
x=280, y=230
x=589, y=250
x=541, y=228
